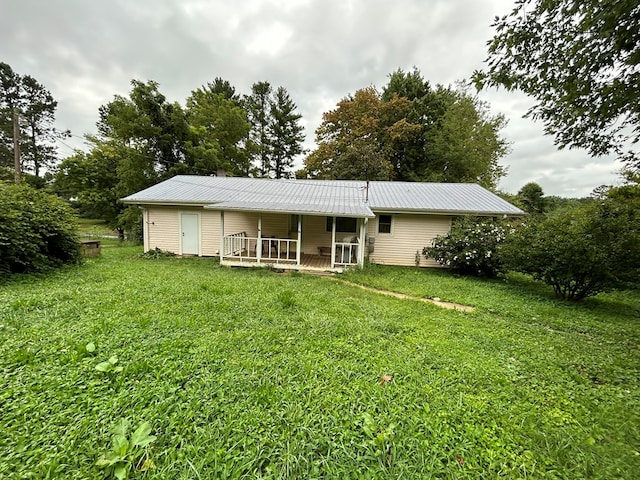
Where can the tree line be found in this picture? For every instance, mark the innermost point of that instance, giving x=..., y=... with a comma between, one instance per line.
x=409, y=130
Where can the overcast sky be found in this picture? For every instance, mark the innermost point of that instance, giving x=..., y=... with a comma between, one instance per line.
x=87, y=51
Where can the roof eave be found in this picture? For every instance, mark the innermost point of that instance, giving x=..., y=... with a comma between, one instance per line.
x=483, y=213
x=289, y=211
x=164, y=203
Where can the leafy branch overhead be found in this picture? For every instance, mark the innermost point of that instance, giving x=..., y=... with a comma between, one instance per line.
x=579, y=60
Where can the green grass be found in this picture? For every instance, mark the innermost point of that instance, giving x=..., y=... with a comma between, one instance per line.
x=250, y=373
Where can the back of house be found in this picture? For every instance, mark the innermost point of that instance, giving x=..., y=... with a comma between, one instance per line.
x=306, y=224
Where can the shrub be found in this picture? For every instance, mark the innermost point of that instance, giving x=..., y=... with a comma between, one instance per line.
x=471, y=247
x=580, y=251
x=38, y=230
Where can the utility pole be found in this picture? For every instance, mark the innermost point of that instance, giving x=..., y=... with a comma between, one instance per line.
x=16, y=145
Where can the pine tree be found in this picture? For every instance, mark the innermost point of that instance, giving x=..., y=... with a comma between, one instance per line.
x=286, y=133
x=257, y=106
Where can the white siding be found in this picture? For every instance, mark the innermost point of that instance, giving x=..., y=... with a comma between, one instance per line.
x=409, y=234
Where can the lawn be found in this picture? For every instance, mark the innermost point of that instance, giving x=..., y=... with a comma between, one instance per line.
x=251, y=373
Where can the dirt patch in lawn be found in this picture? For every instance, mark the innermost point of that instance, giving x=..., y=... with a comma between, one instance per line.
x=434, y=301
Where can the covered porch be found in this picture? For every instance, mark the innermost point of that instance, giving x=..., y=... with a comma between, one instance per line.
x=314, y=240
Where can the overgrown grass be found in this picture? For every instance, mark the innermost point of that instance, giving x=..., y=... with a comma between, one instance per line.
x=254, y=373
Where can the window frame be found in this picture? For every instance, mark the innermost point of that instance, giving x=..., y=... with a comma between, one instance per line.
x=389, y=223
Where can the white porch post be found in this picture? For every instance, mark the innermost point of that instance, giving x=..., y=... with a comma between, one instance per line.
x=298, y=245
x=259, y=244
x=333, y=243
x=221, y=236
x=363, y=230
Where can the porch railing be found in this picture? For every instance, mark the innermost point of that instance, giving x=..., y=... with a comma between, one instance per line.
x=268, y=249
x=346, y=253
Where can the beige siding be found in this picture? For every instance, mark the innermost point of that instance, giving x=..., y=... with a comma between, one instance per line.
x=163, y=229
x=314, y=234
x=409, y=234
x=210, y=232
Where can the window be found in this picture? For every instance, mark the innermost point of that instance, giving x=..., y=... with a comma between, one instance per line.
x=384, y=223
x=343, y=224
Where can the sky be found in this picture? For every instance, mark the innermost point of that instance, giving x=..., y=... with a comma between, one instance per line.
x=87, y=51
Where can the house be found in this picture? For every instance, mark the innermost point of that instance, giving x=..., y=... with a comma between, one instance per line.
x=306, y=224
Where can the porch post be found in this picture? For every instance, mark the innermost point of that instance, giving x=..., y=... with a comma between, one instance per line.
x=298, y=245
x=333, y=243
x=363, y=230
x=259, y=244
x=221, y=236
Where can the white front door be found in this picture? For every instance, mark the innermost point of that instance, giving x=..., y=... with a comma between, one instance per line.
x=190, y=233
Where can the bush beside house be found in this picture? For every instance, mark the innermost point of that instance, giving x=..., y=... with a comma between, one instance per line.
x=38, y=230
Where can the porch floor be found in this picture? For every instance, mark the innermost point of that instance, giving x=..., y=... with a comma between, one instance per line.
x=315, y=263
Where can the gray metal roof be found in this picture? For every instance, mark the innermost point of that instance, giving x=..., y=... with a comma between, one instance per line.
x=323, y=197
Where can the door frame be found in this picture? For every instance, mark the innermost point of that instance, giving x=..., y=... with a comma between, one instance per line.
x=198, y=233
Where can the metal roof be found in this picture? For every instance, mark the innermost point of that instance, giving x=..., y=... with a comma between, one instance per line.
x=323, y=197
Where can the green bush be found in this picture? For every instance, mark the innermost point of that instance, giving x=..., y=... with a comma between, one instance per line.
x=38, y=230
x=580, y=251
x=471, y=247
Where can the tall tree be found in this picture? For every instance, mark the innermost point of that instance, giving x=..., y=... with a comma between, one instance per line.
x=425, y=134
x=219, y=131
x=464, y=145
x=579, y=60
x=360, y=123
x=152, y=130
x=35, y=107
x=258, y=105
x=285, y=132
x=223, y=87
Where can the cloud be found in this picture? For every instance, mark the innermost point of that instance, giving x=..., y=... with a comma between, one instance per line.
x=320, y=50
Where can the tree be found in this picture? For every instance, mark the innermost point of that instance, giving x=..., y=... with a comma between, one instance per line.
x=257, y=106
x=219, y=130
x=464, y=145
x=36, y=109
x=285, y=132
x=438, y=135
x=579, y=60
x=90, y=180
x=582, y=251
x=145, y=122
x=364, y=128
x=531, y=197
